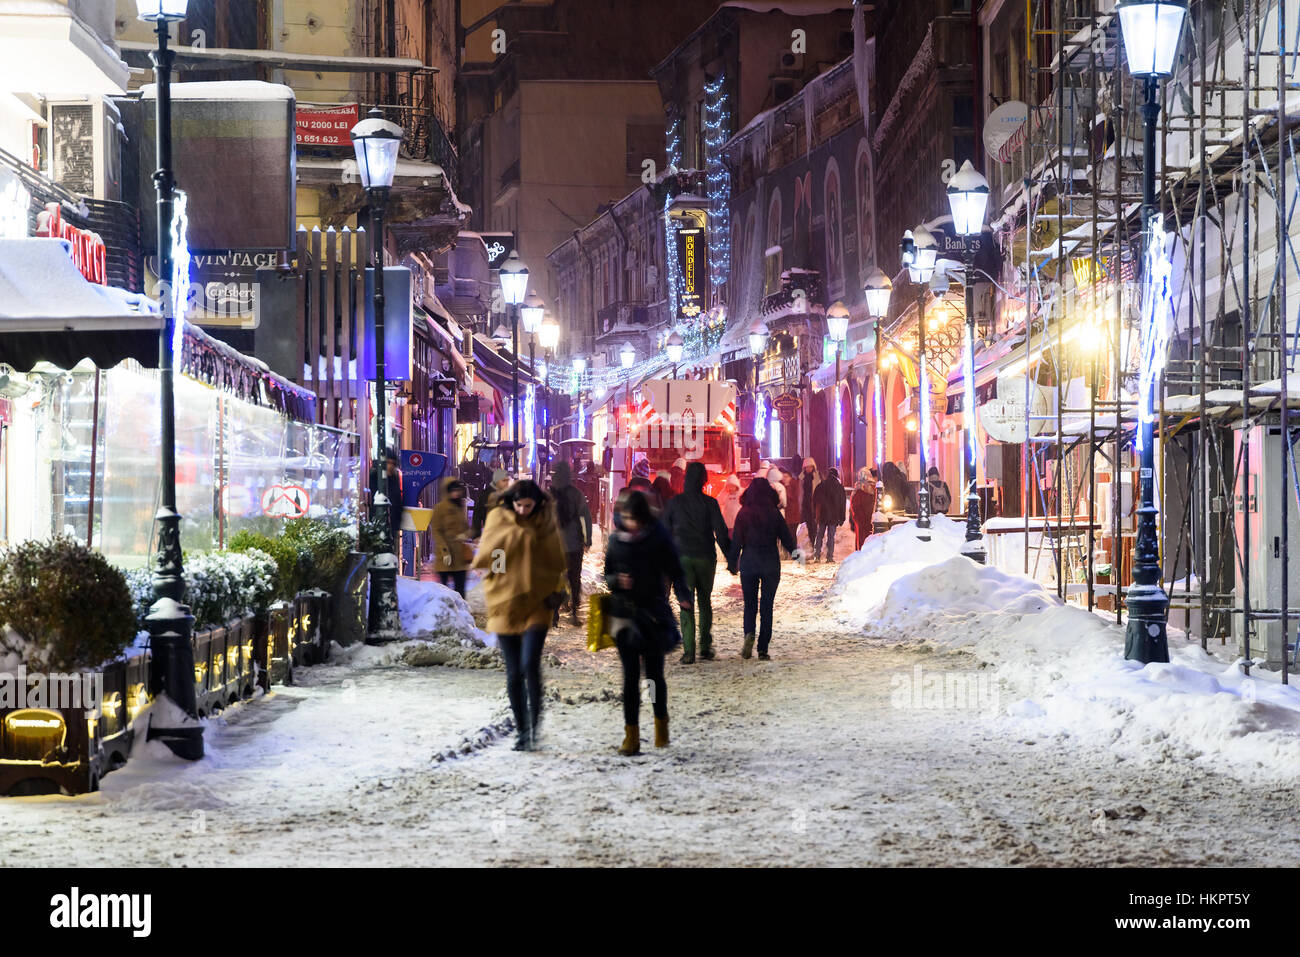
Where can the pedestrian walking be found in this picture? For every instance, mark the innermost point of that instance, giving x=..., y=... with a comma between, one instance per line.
x=639, y=562
x=940, y=494
x=774, y=479
x=695, y=522
x=450, y=529
x=793, y=506
x=573, y=516
x=754, y=555
x=829, y=508
x=729, y=500
x=522, y=559
x=677, y=476
x=388, y=479
x=487, y=500
x=809, y=478
x=862, y=506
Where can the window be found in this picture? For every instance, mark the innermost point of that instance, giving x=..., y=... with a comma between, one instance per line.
x=963, y=111
x=645, y=141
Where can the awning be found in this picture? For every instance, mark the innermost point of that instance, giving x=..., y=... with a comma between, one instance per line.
x=444, y=341
x=498, y=365
x=49, y=312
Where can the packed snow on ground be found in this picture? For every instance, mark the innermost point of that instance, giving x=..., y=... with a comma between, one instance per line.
x=1061, y=670
x=430, y=609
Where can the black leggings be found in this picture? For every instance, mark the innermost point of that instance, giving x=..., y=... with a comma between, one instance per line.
x=523, y=655
x=654, y=670
x=454, y=580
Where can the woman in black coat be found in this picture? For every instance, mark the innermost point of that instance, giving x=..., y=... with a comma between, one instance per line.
x=639, y=563
x=759, y=527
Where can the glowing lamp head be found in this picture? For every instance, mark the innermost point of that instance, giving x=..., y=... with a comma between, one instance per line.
x=757, y=340
x=673, y=348
x=530, y=313
x=877, y=291
x=1151, y=30
x=579, y=364
x=549, y=334
x=923, y=254
x=513, y=276
x=968, y=198
x=939, y=283
x=375, y=141
x=627, y=355
x=837, y=321
x=154, y=10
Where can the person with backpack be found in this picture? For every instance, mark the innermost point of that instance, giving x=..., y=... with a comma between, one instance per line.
x=695, y=522
x=828, y=506
x=940, y=494
x=639, y=562
x=447, y=523
x=759, y=527
x=573, y=516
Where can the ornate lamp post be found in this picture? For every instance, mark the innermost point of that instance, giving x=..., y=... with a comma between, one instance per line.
x=877, y=291
x=837, y=324
x=376, y=141
x=673, y=349
x=170, y=623
x=968, y=197
x=513, y=276
x=1151, y=30
x=918, y=252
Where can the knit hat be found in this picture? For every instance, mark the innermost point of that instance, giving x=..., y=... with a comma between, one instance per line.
x=499, y=475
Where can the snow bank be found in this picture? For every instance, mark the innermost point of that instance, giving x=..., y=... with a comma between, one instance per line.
x=864, y=577
x=428, y=609
x=1060, y=670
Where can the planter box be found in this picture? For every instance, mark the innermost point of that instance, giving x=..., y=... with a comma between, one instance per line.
x=347, y=615
x=279, y=652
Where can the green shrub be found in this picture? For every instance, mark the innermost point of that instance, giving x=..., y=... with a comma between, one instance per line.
x=328, y=547
x=65, y=606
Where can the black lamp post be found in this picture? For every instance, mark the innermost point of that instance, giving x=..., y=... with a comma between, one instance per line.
x=376, y=141
x=674, y=348
x=170, y=624
x=1151, y=31
x=513, y=276
x=877, y=291
x=918, y=254
x=968, y=197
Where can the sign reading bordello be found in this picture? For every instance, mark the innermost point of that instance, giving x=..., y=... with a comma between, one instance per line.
x=693, y=270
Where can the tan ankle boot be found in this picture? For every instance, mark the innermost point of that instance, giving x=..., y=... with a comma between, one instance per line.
x=661, y=732
x=631, y=740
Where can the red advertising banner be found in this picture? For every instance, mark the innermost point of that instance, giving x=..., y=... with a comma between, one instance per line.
x=325, y=125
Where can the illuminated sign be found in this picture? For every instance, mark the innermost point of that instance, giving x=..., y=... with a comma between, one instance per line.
x=88, y=250
x=693, y=271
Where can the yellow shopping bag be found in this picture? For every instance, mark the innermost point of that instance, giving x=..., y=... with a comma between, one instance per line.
x=598, y=635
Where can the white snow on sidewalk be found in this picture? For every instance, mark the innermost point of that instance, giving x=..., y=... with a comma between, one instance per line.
x=1061, y=670
x=430, y=609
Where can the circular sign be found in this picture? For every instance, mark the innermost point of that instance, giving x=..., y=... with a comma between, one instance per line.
x=415, y=459
x=286, y=501
x=1004, y=130
x=1004, y=418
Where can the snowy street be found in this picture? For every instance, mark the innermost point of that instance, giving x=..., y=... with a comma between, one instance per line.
x=813, y=758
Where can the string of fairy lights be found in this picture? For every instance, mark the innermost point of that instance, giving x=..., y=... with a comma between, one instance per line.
x=717, y=130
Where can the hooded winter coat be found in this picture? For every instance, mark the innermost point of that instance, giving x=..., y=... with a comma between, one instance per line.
x=729, y=501
x=808, y=481
x=523, y=562
x=792, y=505
x=650, y=558
x=450, y=529
x=862, y=505
x=694, y=519
x=759, y=526
x=572, y=513
x=774, y=480
x=828, y=501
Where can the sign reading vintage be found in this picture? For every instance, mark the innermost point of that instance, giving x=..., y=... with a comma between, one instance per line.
x=325, y=125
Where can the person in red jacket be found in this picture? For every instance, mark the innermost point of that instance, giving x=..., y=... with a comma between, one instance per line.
x=862, y=505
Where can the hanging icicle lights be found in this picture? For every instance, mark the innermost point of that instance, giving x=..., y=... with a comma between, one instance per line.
x=924, y=423
x=1157, y=314
x=180, y=277
x=717, y=130
x=530, y=425
x=674, y=154
x=968, y=394
x=880, y=419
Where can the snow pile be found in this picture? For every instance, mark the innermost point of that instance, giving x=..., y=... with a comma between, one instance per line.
x=1061, y=671
x=864, y=577
x=429, y=609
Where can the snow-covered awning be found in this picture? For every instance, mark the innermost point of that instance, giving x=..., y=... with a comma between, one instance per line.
x=49, y=312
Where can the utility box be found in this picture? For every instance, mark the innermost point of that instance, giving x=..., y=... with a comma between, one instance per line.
x=1257, y=525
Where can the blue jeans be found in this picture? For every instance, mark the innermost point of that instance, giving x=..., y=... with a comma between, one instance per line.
x=762, y=609
x=523, y=655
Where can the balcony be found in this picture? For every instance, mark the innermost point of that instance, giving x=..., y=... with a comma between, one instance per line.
x=629, y=316
x=801, y=294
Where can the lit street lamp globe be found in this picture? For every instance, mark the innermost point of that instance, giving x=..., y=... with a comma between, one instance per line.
x=579, y=364
x=154, y=10
x=627, y=355
x=530, y=314
x=1151, y=31
x=514, y=279
x=757, y=340
x=968, y=197
x=376, y=140
x=837, y=321
x=877, y=290
x=673, y=348
x=549, y=335
x=923, y=254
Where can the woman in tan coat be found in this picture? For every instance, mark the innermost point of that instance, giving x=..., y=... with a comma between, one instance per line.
x=523, y=562
x=450, y=528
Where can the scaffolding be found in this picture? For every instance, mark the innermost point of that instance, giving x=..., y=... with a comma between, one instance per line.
x=1226, y=480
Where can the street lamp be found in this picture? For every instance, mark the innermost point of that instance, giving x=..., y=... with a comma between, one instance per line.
x=673, y=348
x=877, y=291
x=376, y=141
x=968, y=197
x=513, y=276
x=170, y=624
x=837, y=323
x=1151, y=30
x=918, y=252
x=530, y=314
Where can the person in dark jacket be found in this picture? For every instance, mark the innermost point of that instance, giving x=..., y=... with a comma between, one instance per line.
x=897, y=488
x=489, y=497
x=809, y=478
x=828, y=507
x=862, y=506
x=940, y=494
x=639, y=562
x=663, y=486
x=695, y=522
x=759, y=527
x=573, y=516
x=793, y=506
x=389, y=481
